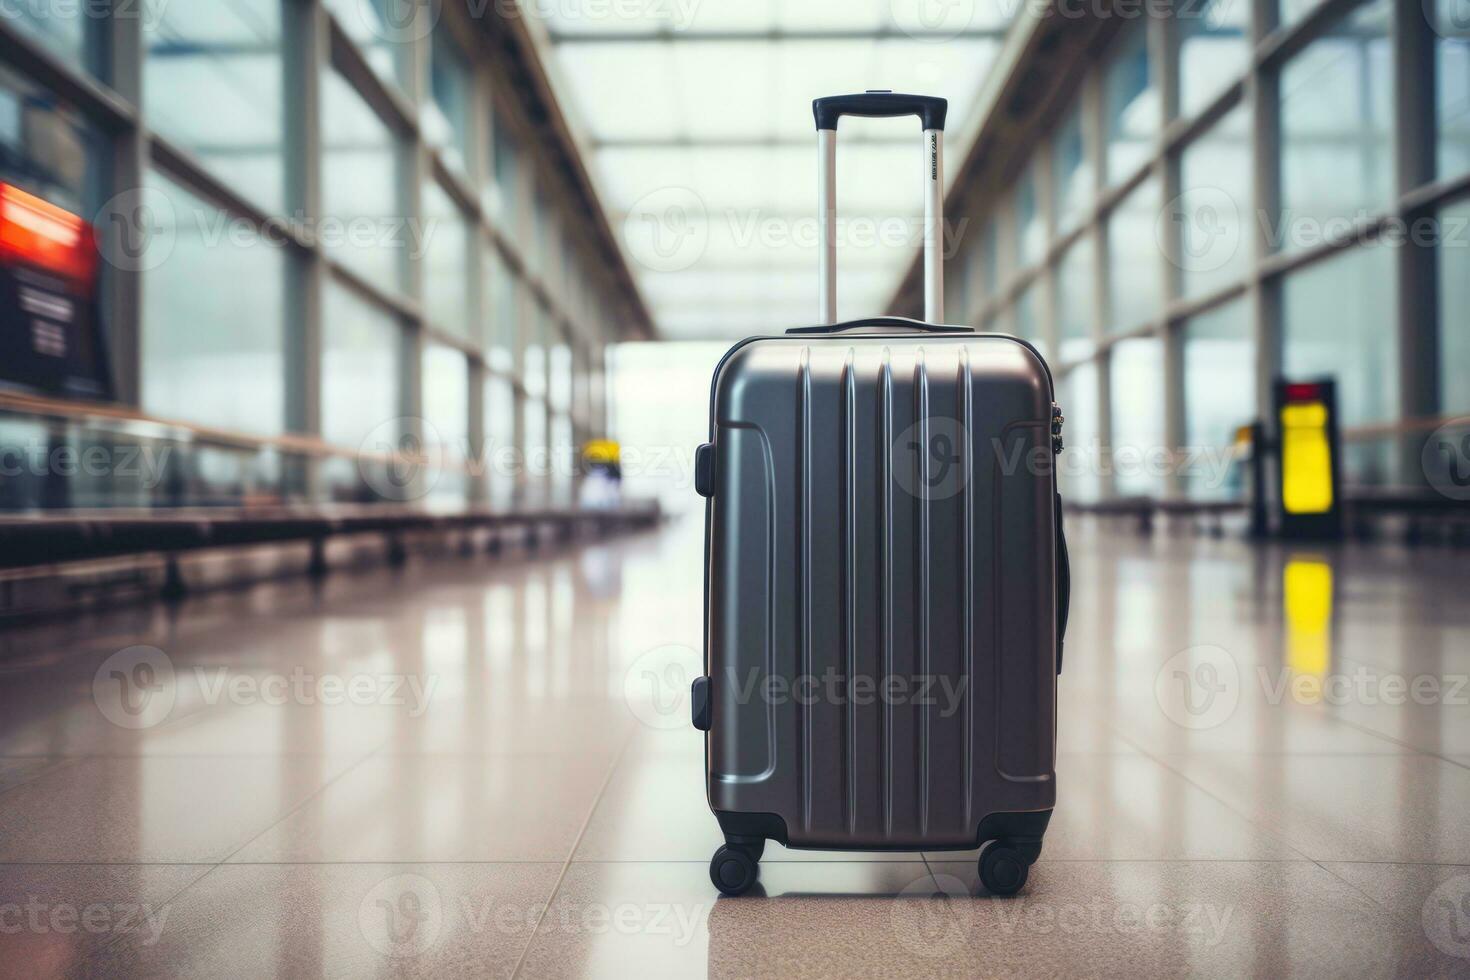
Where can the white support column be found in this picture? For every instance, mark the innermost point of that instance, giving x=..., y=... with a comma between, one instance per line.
x=307, y=51
x=1416, y=265
x=122, y=37
x=1261, y=95
x=1164, y=38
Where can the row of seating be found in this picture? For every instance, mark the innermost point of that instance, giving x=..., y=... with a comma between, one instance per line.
x=45, y=539
x=1363, y=510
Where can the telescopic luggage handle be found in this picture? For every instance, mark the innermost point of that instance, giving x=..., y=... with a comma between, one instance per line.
x=931, y=112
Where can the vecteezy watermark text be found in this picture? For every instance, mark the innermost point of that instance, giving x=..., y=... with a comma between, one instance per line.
x=300, y=686
x=139, y=229
x=1202, y=687
x=138, y=687
x=148, y=12
x=943, y=692
x=144, y=463
x=1202, y=921
x=1205, y=227
x=406, y=915
x=403, y=458
x=40, y=917
x=669, y=228
x=667, y=15
x=934, y=915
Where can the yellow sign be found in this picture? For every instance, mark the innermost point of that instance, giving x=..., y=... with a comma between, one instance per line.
x=1307, y=586
x=1306, y=459
x=604, y=451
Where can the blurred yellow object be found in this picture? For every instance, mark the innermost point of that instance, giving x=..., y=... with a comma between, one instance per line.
x=1306, y=584
x=604, y=451
x=1306, y=459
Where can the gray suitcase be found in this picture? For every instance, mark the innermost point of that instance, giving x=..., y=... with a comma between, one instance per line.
x=886, y=579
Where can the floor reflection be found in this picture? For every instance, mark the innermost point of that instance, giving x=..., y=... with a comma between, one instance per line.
x=448, y=770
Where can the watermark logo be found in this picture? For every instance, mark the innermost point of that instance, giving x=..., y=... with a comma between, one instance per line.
x=667, y=230
x=656, y=686
x=1199, y=230
x=401, y=459
x=1199, y=687
x=1446, y=917
x=925, y=917
x=135, y=687
x=934, y=21
x=1446, y=459
x=398, y=21
x=1449, y=19
x=137, y=229
x=929, y=458
x=401, y=916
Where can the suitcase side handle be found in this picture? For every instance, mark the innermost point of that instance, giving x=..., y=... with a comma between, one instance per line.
x=1064, y=583
x=931, y=112
x=930, y=109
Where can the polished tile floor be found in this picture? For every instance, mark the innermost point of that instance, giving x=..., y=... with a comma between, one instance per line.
x=485, y=767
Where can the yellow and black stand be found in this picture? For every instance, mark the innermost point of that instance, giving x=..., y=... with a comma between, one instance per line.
x=1309, y=491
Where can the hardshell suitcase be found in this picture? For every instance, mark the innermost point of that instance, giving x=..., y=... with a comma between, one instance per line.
x=886, y=580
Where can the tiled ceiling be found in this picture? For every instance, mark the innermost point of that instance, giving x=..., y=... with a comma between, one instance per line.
x=697, y=118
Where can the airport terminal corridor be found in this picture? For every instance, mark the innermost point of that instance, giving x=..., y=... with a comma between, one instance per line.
x=485, y=765
x=480, y=479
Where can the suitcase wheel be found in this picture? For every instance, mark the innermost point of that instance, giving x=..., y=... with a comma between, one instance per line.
x=1003, y=869
x=734, y=868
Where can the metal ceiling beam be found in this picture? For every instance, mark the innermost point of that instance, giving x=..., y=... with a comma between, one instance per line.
x=733, y=142
x=888, y=33
x=516, y=45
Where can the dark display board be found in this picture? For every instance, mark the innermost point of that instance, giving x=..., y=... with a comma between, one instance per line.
x=50, y=334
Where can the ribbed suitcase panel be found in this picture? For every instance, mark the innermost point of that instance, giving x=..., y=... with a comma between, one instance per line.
x=945, y=678
x=901, y=582
x=867, y=394
x=918, y=778
x=818, y=630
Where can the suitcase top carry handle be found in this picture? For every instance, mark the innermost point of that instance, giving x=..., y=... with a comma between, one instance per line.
x=931, y=112
x=929, y=108
x=882, y=324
